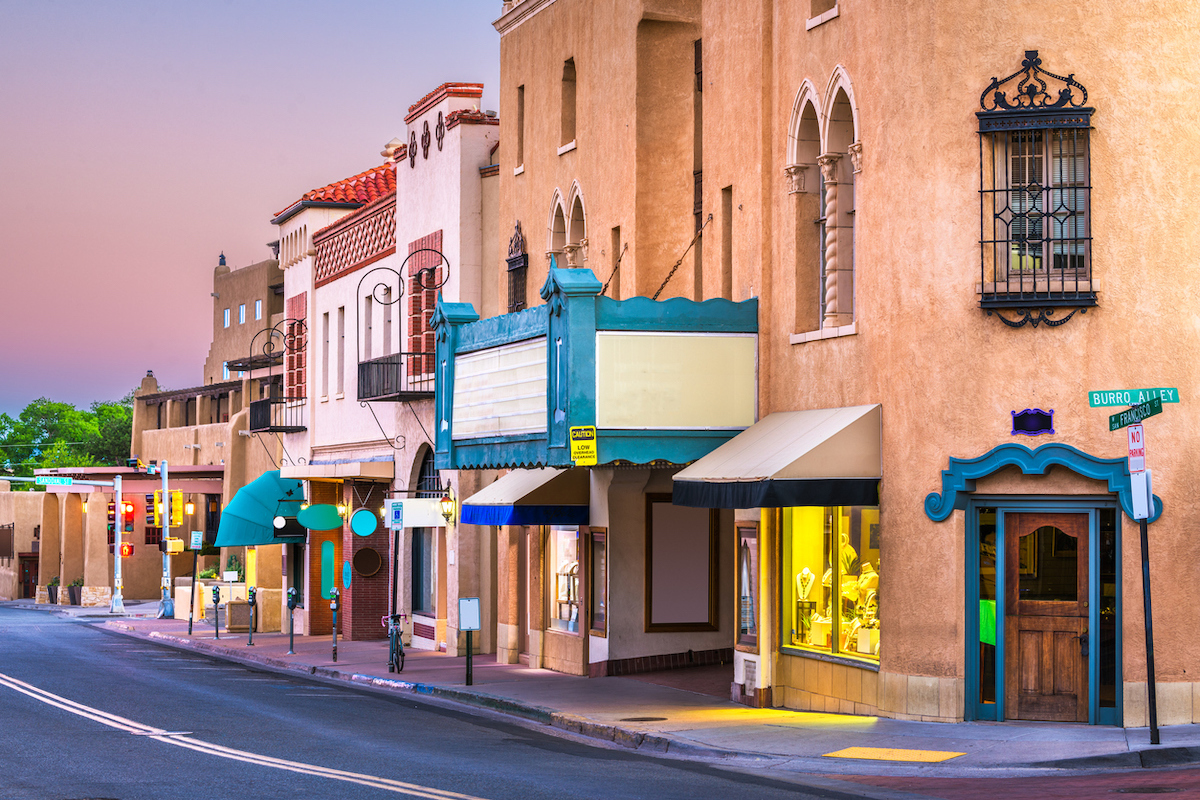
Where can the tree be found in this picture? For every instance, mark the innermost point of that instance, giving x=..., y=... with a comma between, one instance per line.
x=49, y=434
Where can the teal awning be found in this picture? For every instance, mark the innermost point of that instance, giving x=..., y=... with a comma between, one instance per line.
x=249, y=518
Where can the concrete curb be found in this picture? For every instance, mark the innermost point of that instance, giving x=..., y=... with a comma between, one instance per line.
x=658, y=744
x=1133, y=759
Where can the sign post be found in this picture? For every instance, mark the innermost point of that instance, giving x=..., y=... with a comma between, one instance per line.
x=196, y=543
x=1142, y=510
x=166, y=606
x=468, y=621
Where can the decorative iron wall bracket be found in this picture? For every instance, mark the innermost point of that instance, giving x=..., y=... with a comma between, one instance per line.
x=1035, y=316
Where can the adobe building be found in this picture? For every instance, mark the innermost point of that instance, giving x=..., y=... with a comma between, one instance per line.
x=929, y=502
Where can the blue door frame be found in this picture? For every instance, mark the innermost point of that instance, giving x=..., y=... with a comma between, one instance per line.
x=974, y=708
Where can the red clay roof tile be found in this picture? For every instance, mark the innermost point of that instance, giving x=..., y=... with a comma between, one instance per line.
x=365, y=187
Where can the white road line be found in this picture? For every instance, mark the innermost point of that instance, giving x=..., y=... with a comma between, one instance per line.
x=174, y=738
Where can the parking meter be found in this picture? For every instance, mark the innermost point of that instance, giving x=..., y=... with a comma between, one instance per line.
x=293, y=599
x=250, y=593
x=334, y=594
x=216, y=612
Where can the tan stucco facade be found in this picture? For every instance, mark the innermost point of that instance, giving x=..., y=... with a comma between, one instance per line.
x=886, y=100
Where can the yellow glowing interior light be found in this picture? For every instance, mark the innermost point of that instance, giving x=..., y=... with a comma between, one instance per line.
x=341, y=509
x=191, y=508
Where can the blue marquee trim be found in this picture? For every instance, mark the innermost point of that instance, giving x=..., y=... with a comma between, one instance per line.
x=716, y=315
x=959, y=480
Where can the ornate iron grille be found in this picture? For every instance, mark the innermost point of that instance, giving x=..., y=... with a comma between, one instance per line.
x=518, y=266
x=1035, y=197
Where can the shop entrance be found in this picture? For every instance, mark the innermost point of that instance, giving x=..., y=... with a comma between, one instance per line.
x=1043, y=610
x=1046, y=619
x=28, y=575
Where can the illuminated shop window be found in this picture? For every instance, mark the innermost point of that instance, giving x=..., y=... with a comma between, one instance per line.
x=831, y=580
x=563, y=563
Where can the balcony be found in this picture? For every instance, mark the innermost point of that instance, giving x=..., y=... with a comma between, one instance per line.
x=400, y=376
x=278, y=415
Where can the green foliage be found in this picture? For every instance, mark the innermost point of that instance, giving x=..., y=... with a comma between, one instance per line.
x=234, y=563
x=209, y=572
x=48, y=434
x=53, y=581
x=76, y=582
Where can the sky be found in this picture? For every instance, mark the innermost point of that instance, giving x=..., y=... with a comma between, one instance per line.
x=141, y=139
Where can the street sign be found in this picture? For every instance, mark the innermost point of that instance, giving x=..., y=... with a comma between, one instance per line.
x=1135, y=414
x=53, y=480
x=1131, y=397
x=1137, y=449
x=1142, y=495
x=583, y=445
x=197, y=541
x=468, y=613
x=395, y=513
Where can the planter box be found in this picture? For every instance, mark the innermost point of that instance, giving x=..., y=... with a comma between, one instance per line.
x=237, y=619
x=53, y=592
x=75, y=593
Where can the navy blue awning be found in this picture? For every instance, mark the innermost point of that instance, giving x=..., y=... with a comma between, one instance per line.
x=544, y=496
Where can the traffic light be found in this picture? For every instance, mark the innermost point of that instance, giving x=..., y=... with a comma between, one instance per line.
x=127, y=516
x=176, y=508
x=150, y=511
x=112, y=523
x=174, y=545
x=126, y=549
x=158, y=508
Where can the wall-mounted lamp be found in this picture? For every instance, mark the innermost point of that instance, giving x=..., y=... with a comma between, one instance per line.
x=341, y=509
x=189, y=507
x=447, y=503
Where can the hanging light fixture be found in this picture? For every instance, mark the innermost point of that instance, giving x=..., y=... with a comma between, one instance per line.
x=447, y=503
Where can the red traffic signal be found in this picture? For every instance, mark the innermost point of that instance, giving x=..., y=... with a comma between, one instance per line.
x=127, y=516
x=126, y=549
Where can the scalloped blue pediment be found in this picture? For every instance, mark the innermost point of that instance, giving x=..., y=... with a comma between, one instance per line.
x=959, y=480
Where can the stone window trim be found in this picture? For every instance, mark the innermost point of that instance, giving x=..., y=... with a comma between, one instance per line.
x=822, y=18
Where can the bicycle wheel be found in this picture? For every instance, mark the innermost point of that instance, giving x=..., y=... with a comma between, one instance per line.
x=392, y=655
x=400, y=668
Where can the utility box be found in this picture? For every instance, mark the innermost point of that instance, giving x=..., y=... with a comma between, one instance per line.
x=237, y=617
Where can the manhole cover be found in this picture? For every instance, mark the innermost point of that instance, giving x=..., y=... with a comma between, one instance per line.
x=644, y=719
x=1147, y=790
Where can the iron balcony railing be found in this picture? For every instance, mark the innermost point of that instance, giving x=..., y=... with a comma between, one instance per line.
x=399, y=376
x=278, y=415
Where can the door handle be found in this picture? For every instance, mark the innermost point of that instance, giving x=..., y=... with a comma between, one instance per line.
x=1083, y=644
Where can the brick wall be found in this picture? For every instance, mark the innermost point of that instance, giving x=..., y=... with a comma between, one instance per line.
x=367, y=599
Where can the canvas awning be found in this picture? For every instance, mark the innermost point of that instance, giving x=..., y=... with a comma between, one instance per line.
x=544, y=496
x=249, y=518
x=821, y=457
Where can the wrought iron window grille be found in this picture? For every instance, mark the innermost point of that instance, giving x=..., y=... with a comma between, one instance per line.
x=1035, y=197
x=518, y=267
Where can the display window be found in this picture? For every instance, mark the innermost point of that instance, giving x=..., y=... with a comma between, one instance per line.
x=830, y=584
x=747, y=585
x=598, y=582
x=563, y=563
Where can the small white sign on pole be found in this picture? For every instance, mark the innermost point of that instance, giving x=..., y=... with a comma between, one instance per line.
x=468, y=613
x=1143, y=495
x=197, y=540
x=1137, y=448
x=395, y=514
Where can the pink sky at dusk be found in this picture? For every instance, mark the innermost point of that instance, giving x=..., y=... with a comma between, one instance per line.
x=139, y=140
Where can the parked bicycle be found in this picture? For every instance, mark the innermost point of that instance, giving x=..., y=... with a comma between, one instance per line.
x=395, y=626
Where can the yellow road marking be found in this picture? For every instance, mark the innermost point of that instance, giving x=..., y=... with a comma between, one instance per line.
x=894, y=754
x=175, y=738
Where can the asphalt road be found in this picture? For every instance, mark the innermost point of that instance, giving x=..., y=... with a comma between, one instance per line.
x=86, y=713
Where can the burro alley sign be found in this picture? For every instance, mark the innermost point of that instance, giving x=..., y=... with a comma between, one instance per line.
x=1131, y=397
x=1135, y=415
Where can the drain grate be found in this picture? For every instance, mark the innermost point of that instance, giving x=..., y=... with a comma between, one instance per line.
x=644, y=719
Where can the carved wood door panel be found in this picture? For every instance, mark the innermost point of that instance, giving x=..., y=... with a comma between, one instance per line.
x=1046, y=607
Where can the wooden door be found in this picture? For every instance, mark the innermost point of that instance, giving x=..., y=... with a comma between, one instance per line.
x=29, y=576
x=1046, y=603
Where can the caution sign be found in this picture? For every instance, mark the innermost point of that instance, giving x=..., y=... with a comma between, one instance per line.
x=583, y=445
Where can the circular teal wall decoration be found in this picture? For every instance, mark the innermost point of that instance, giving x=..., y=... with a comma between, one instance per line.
x=364, y=522
x=346, y=574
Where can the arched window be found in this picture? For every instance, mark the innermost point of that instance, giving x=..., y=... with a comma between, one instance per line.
x=806, y=188
x=575, y=248
x=840, y=163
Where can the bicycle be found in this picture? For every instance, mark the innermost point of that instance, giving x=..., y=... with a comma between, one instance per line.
x=395, y=625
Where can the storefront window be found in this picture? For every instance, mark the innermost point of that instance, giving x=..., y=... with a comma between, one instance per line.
x=598, y=581
x=747, y=577
x=987, y=605
x=831, y=580
x=564, y=578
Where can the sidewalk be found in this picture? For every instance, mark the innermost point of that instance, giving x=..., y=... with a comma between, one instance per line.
x=641, y=712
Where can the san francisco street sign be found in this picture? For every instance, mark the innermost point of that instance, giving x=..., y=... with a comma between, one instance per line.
x=1135, y=414
x=1131, y=397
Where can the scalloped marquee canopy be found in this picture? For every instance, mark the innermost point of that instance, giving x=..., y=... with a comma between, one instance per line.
x=959, y=480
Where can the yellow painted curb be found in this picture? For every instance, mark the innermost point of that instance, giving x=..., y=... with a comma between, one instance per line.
x=893, y=754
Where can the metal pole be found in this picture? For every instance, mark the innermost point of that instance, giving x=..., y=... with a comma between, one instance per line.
x=192, y=605
x=253, y=604
x=166, y=606
x=469, y=648
x=216, y=612
x=1152, y=699
x=118, y=602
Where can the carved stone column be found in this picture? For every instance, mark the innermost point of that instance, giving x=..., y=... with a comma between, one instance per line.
x=829, y=173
